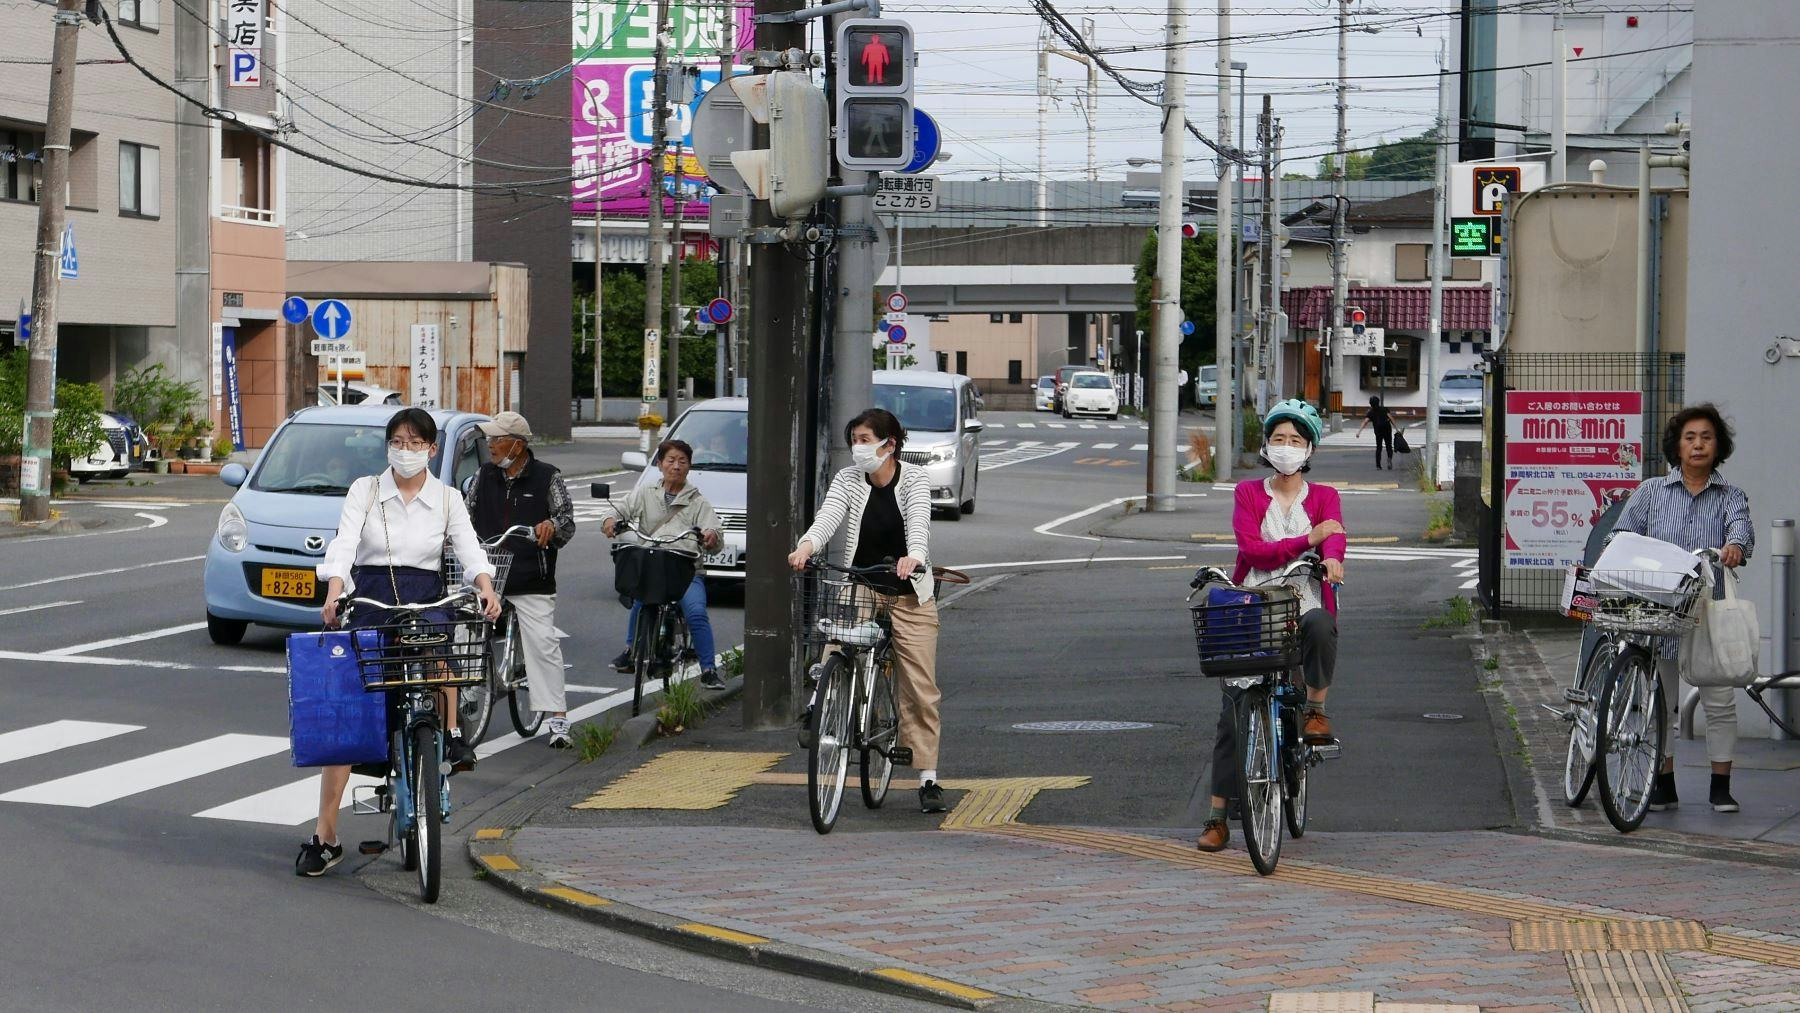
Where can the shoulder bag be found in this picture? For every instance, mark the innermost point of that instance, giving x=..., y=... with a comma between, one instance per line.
x=1723, y=649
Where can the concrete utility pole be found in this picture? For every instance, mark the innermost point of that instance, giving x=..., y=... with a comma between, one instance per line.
x=599, y=306
x=653, y=258
x=1434, y=337
x=1330, y=363
x=1270, y=318
x=1277, y=316
x=781, y=421
x=852, y=370
x=673, y=371
x=1225, y=412
x=1559, y=99
x=1043, y=124
x=40, y=378
x=1166, y=343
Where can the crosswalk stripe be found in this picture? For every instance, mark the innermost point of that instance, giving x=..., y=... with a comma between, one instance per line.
x=1140, y=446
x=1467, y=584
x=120, y=780
x=992, y=443
x=1027, y=425
x=1089, y=425
x=284, y=806
x=1056, y=425
x=1104, y=446
x=48, y=738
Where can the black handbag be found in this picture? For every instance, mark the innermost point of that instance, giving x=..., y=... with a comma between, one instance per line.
x=1400, y=444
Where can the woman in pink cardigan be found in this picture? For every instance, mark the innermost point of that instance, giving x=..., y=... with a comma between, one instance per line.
x=1276, y=521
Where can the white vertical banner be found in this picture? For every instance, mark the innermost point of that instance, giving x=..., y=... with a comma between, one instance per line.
x=217, y=390
x=426, y=360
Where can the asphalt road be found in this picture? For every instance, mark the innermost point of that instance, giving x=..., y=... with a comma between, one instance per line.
x=154, y=861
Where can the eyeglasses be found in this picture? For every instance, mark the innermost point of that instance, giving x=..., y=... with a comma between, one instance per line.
x=408, y=445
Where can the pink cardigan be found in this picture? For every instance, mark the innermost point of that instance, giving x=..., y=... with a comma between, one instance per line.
x=1255, y=553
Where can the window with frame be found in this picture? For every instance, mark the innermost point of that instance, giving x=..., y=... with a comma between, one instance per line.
x=1412, y=262
x=996, y=318
x=20, y=172
x=139, y=14
x=140, y=180
x=1396, y=371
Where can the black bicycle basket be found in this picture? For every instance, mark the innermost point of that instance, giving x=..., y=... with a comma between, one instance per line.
x=650, y=574
x=1246, y=631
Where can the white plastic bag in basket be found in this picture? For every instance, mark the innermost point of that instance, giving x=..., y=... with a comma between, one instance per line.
x=1647, y=567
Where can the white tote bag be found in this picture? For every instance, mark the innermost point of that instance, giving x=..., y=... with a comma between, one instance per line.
x=1722, y=650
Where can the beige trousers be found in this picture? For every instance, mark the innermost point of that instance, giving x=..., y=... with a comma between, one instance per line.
x=915, y=676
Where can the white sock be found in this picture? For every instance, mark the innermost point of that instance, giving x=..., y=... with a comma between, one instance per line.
x=927, y=777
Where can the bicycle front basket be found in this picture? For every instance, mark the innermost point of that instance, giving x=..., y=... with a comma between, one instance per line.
x=499, y=559
x=837, y=610
x=651, y=575
x=1245, y=631
x=410, y=655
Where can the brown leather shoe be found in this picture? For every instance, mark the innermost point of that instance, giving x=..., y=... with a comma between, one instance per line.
x=1214, y=836
x=1316, y=730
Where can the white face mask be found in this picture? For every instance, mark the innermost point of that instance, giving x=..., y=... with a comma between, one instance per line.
x=1287, y=460
x=868, y=456
x=407, y=463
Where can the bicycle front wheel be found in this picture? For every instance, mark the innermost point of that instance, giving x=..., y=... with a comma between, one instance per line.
x=1578, y=767
x=828, y=762
x=428, y=815
x=1630, y=738
x=1295, y=755
x=1259, y=778
x=883, y=734
x=649, y=620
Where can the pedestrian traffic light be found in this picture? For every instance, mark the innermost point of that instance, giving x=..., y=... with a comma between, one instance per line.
x=1190, y=230
x=791, y=173
x=1359, y=320
x=874, y=77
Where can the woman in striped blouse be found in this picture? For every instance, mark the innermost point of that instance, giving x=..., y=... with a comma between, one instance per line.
x=884, y=505
x=1694, y=507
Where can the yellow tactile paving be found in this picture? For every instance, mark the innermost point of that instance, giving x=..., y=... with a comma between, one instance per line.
x=489, y=834
x=1557, y=936
x=989, y=802
x=715, y=932
x=1426, y=1007
x=499, y=863
x=683, y=779
x=1666, y=935
x=1629, y=981
x=935, y=984
x=1763, y=951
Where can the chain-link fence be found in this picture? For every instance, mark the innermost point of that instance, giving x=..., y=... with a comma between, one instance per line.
x=1661, y=378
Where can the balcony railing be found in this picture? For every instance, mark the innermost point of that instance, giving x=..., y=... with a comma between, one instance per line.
x=262, y=216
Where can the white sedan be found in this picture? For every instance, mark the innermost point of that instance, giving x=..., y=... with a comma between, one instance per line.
x=1091, y=394
x=1043, y=397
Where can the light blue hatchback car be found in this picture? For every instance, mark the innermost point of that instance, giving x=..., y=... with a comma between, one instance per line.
x=260, y=560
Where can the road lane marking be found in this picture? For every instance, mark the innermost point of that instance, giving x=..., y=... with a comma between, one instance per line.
x=1023, y=453
x=131, y=639
x=1048, y=527
x=36, y=608
x=596, y=690
x=85, y=659
x=1105, y=446
x=131, y=777
x=105, y=573
x=48, y=738
x=1140, y=446
x=259, y=669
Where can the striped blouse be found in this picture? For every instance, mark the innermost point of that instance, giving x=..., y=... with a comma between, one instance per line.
x=843, y=507
x=1662, y=508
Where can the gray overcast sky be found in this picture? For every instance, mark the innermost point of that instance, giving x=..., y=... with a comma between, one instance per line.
x=978, y=74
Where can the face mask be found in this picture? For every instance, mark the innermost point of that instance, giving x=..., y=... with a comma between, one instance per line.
x=507, y=462
x=407, y=463
x=868, y=456
x=1287, y=460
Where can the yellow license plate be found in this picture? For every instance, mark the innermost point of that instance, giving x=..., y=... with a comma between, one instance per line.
x=282, y=583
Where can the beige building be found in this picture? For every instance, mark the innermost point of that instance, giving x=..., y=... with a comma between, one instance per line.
x=1005, y=353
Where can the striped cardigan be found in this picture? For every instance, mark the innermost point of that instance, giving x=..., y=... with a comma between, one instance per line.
x=843, y=507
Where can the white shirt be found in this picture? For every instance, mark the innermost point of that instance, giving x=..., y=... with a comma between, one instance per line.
x=415, y=530
x=1290, y=523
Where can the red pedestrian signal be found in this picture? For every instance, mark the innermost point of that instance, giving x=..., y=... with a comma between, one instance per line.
x=876, y=57
x=1359, y=320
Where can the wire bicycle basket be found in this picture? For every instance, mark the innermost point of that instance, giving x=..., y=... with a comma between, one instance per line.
x=1247, y=631
x=422, y=654
x=500, y=559
x=1660, y=603
x=840, y=609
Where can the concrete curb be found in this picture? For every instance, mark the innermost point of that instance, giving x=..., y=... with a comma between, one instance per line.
x=1509, y=738
x=490, y=852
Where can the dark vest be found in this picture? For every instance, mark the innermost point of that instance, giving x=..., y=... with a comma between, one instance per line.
x=527, y=501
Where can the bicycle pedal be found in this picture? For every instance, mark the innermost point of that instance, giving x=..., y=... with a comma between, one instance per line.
x=1329, y=752
x=372, y=847
x=1578, y=696
x=901, y=756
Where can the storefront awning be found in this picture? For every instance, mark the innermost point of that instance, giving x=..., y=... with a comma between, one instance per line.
x=1395, y=307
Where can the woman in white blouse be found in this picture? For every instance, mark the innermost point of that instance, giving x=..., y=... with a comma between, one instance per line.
x=390, y=547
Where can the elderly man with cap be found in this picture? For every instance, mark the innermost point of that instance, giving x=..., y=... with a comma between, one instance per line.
x=517, y=488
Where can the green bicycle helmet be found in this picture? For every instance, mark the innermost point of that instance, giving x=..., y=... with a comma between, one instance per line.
x=1301, y=414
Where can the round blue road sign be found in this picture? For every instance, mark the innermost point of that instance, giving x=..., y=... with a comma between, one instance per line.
x=719, y=311
x=1187, y=327
x=882, y=326
x=295, y=310
x=929, y=140
x=331, y=320
x=896, y=334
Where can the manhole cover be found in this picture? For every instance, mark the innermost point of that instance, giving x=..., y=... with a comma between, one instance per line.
x=1082, y=726
x=1443, y=716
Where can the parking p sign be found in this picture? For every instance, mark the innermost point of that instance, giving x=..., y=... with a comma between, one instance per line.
x=246, y=69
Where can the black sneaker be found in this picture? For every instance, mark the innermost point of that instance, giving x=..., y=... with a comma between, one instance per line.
x=315, y=857
x=805, y=732
x=460, y=754
x=931, y=798
x=1662, y=793
x=623, y=662
x=709, y=678
x=1720, y=796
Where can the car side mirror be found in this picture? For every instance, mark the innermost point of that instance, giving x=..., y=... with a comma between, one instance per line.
x=600, y=490
x=233, y=474
x=634, y=459
x=974, y=425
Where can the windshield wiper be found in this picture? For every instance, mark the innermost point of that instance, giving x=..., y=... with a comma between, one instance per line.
x=720, y=466
x=312, y=490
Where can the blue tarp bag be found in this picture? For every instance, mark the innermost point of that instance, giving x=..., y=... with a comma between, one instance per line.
x=333, y=719
x=1234, y=623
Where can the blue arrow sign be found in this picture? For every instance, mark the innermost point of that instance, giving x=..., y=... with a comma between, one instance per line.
x=1187, y=327
x=883, y=326
x=929, y=140
x=331, y=320
x=897, y=334
x=295, y=310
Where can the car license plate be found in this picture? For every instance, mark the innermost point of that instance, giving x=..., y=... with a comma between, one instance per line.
x=724, y=559
x=285, y=583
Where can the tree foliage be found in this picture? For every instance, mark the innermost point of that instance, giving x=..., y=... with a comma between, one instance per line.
x=1409, y=158
x=77, y=427
x=622, y=330
x=1199, y=282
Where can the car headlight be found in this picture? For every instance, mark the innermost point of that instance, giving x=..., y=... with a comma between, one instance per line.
x=233, y=533
x=941, y=454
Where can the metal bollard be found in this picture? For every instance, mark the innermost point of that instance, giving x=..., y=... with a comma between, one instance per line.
x=1781, y=559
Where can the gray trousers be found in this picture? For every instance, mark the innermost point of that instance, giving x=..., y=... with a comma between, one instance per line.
x=1318, y=663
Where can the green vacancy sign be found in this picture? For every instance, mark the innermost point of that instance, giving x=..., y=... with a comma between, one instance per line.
x=1474, y=237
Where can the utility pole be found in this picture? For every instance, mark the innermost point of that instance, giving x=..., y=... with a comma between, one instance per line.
x=1271, y=238
x=1093, y=104
x=599, y=306
x=673, y=371
x=1434, y=337
x=1166, y=344
x=1277, y=316
x=780, y=431
x=1225, y=426
x=1043, y=126
x=726, y=258
x=653, y=259
x=40, y=378
x=1330, y=364
x=1559, y=99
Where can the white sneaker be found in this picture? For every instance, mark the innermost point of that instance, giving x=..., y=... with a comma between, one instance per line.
x=559, y=733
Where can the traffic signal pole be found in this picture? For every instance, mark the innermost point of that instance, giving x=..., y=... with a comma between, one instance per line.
x=40, y=378
x=1225, y=425
x=780, y=420
x=653, y=259
x=1166, y=343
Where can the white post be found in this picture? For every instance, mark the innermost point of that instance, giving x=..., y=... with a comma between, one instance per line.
x=1643, y=257
x=1093, y=103
x=1434, y=339
x=1559, y=99
x=1225, y=407
x=1332, y=359
x=1166, y=343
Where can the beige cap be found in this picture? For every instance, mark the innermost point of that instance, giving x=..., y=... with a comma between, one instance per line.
x=508, y=424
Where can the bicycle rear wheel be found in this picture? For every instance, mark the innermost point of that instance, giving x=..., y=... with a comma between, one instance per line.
x=525, y=721
x=1578, y=768
x=475, y=704
x=1295, y=755
x=828, y=761
x=1630, y=738
x=1259, y=778
x=884, y=733
x=428, y=816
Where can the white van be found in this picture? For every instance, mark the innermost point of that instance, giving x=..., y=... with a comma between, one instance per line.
x=942, y=433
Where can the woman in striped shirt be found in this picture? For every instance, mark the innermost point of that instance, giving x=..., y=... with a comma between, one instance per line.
x=884, y=505
x=1695, y=508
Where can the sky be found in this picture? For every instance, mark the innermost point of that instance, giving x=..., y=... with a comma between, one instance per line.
x=978, y=78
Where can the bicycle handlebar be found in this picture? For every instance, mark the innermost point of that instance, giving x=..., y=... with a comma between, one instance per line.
x=516, y=529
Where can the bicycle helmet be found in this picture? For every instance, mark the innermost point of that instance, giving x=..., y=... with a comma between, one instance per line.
x=1301, y=414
